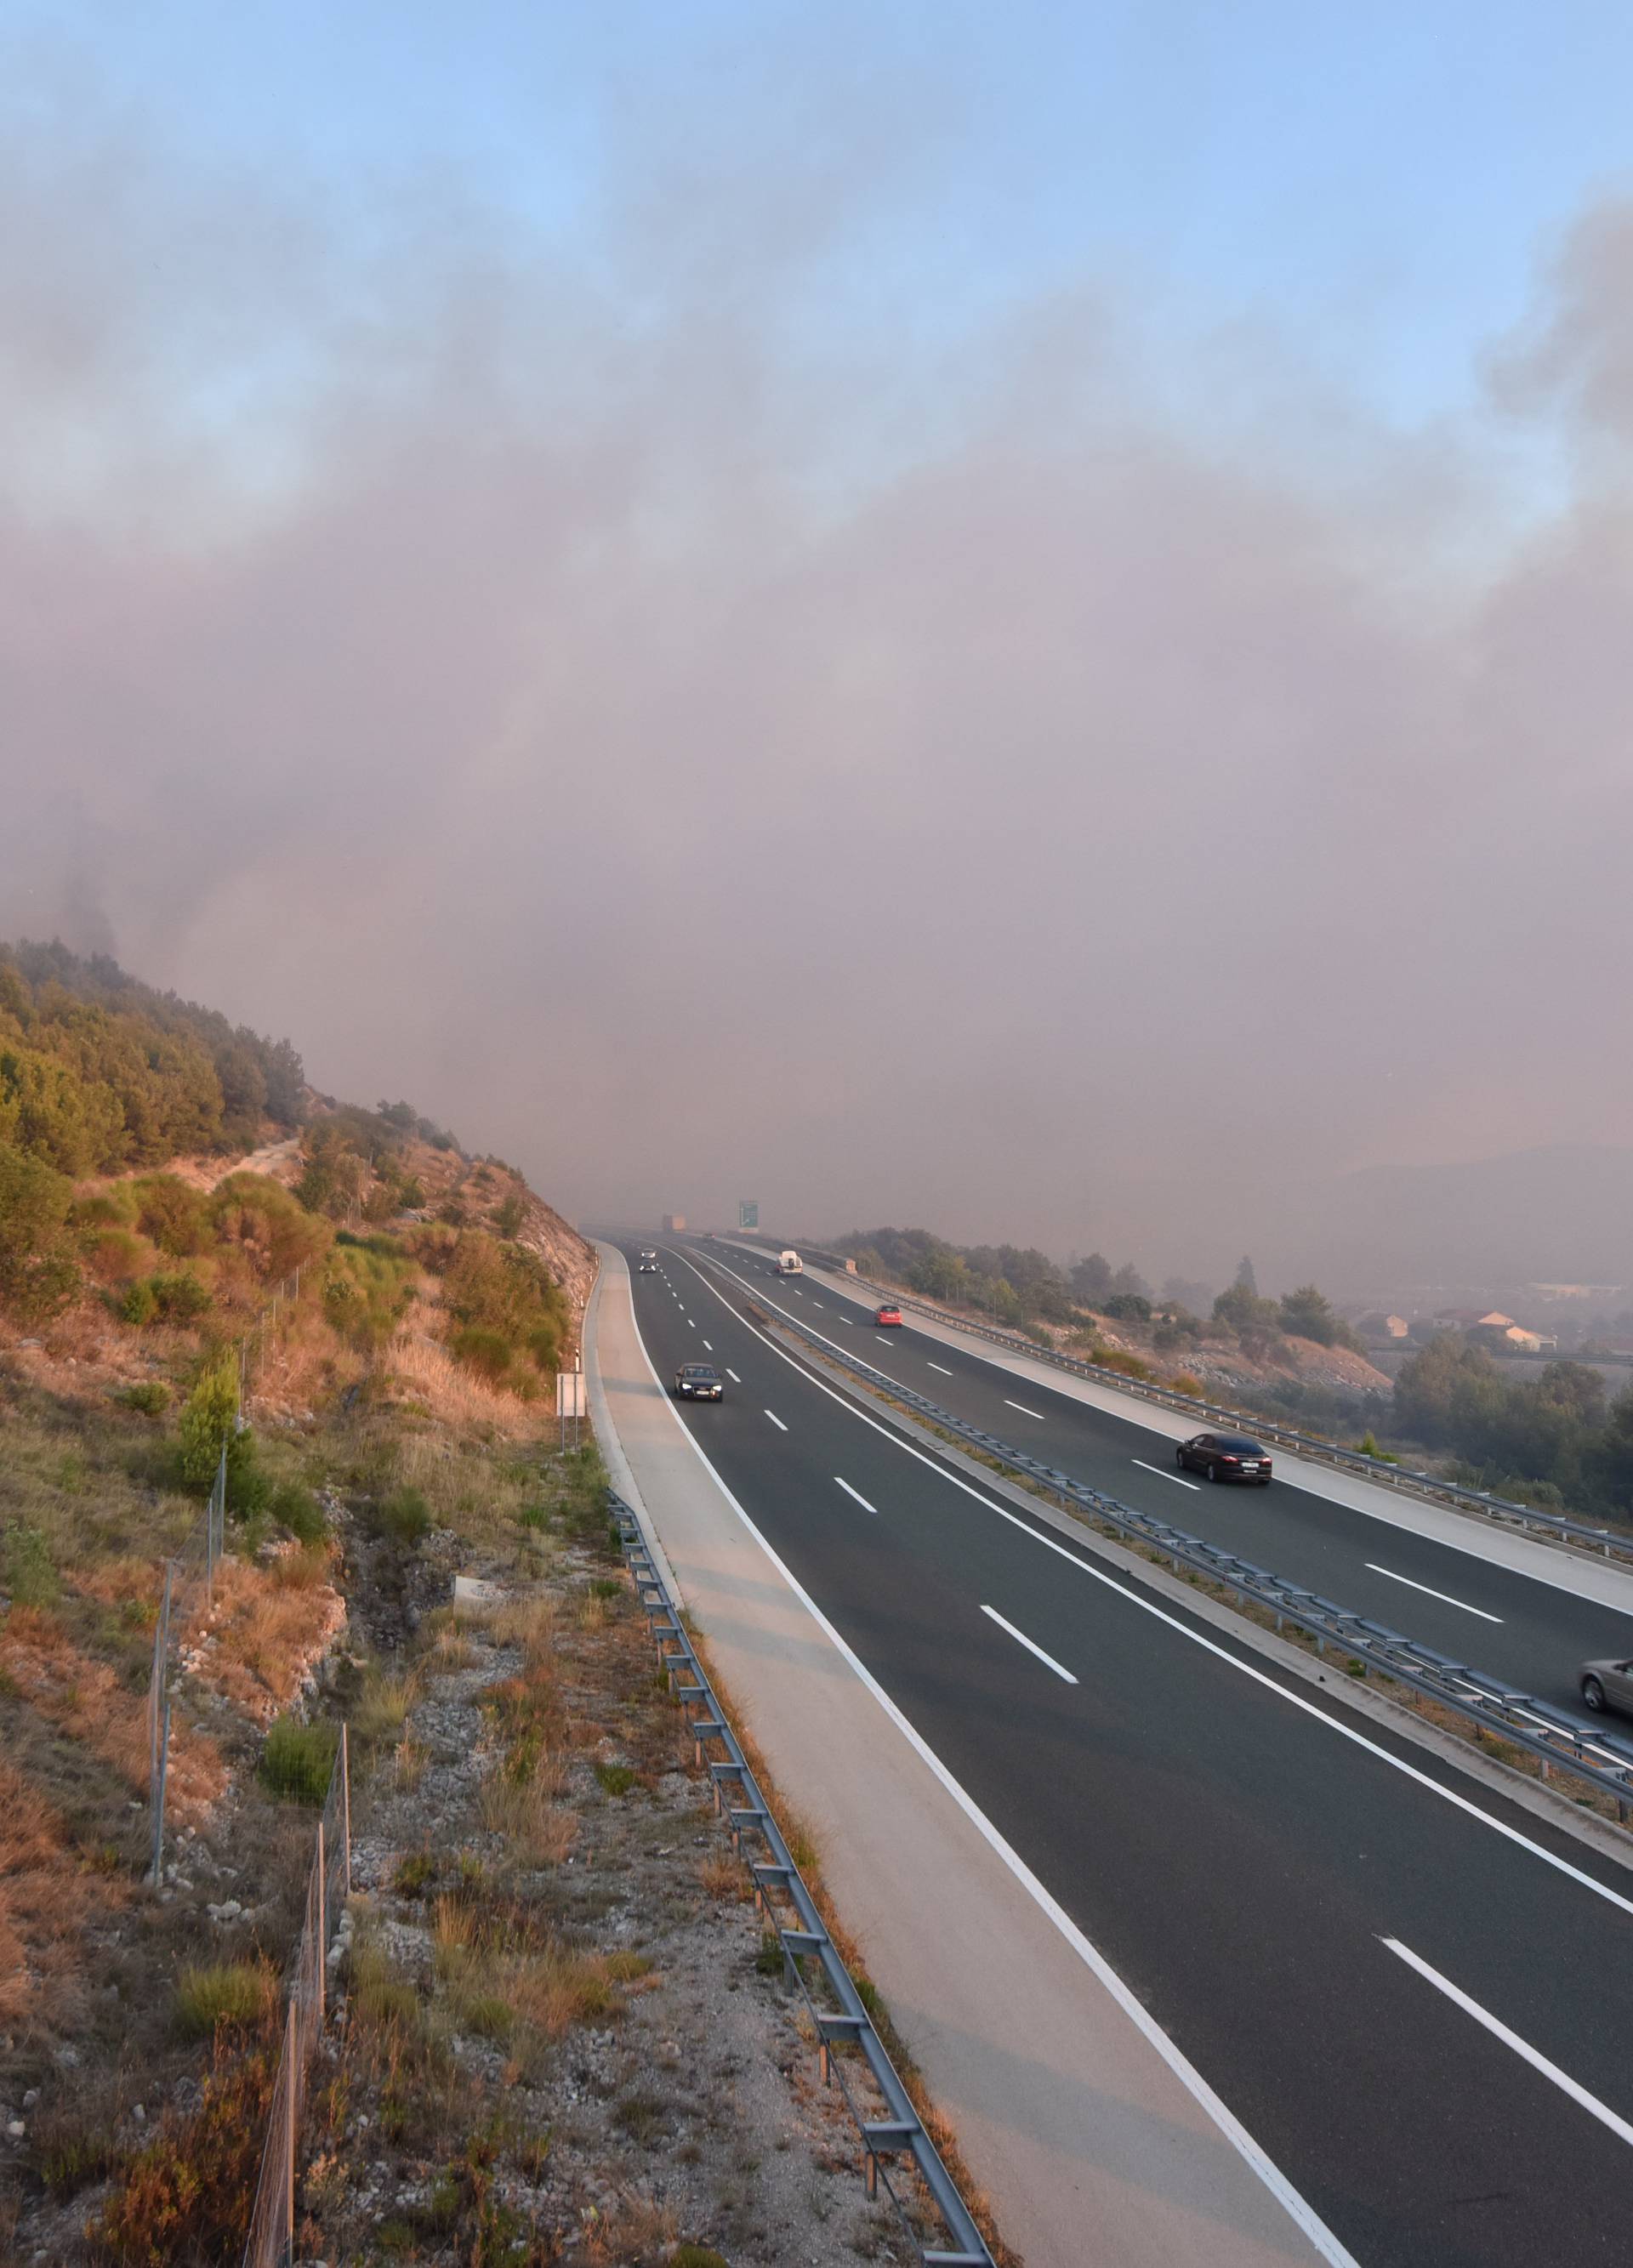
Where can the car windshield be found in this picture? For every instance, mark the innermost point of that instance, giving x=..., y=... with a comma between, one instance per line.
x=1239, y=1446
x=697, y=1370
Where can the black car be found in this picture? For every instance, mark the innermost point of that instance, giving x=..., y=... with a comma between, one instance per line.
x=698, y=1381
x=1224, y=1457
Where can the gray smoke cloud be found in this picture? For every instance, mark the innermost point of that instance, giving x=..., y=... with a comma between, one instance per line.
x=699, y=752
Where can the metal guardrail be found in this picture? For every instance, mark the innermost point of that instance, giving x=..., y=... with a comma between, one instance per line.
x=1604, y=1759
x=1577, y=1535
x=839, y=2014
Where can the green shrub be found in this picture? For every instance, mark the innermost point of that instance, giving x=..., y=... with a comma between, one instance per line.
x=150, y=1396
x=297, y=1509
x=696, y=2255
x=180, y=1298
x=618, y=1779
x=224, y=1992
x=138, y=1306
x=404, y=1517
x=174, y=1215
x=298, y=1759
x=483, y=1350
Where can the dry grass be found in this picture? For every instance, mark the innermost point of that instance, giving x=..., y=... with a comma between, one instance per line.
x=43, y=1903
x=725, y=1878
x=423, y=1368
x=84, y=1698
x=382, y=1708
x=271, y=1625
x=540, y=1830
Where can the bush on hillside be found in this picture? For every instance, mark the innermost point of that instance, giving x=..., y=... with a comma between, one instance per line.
x=268, y=1224
x=180, y=1298
x=39, y=1274
x=174, y=1215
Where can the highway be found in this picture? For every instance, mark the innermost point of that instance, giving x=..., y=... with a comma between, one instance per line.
x=1417, y=1999
x=1475, y=1610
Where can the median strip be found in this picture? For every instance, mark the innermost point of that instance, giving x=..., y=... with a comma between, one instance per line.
x=1020, y=1639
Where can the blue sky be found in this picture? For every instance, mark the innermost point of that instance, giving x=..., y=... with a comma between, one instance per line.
x=1375, y=187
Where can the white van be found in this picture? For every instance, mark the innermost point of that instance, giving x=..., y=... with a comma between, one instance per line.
x=789, y=1264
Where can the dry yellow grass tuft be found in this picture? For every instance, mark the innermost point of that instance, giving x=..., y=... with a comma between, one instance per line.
x=540, y=1830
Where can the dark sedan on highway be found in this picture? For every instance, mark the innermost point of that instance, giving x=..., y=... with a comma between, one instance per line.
x=1224, y=1457
x=698, y=1381
x=1607, y=1685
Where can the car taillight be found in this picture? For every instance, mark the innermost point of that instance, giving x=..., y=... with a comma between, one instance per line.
x=1230, y=1460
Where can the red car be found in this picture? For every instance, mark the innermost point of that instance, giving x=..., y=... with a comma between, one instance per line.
x=887, y=1315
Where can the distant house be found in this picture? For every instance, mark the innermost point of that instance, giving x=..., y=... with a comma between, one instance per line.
x=1383, y=1327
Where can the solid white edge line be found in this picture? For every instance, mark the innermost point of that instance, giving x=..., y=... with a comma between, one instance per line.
x=1025, y=1411
x=776, y=1421
x=1499, y=2030
x=857, y=1493
x=1302, y=2215
x=1197, y=1637
x=1444, y=1597
x=1030, y=1645
x=1163, y=1474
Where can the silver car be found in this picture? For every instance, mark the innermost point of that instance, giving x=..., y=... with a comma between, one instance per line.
x=1607, y=1685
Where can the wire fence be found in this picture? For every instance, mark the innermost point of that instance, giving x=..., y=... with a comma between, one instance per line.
x=188, y=1596
x=271, y=2240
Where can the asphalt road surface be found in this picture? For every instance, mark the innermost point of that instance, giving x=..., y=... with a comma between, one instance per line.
x=1477, y=1610
x=1417, y=1997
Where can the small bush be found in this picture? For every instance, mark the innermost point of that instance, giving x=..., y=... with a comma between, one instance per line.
x=188, y=2196
x=298, y=1759
x=404, y=1518
x=618, y=1779
x=414, y=1874
x=297, y=1509
x=696, y=2255
x=180, y=1298
x=1183, y=1382
x=242, y=1993
x=487, y=1353
x=151, y=1396
x=138, y=1306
